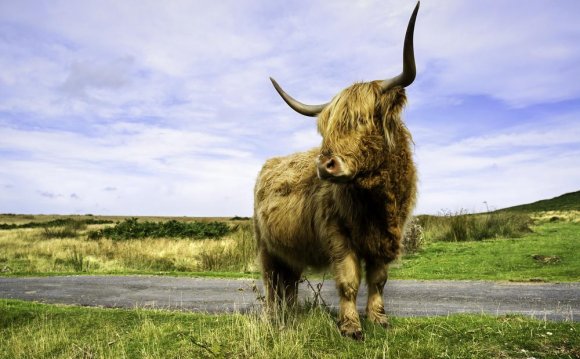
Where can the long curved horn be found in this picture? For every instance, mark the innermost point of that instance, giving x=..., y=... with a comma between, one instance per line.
x=306, y=110
x=408, y=75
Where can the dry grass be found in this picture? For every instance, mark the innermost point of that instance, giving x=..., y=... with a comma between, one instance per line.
x=32, y=251
x=237, y=254
x=557, y=216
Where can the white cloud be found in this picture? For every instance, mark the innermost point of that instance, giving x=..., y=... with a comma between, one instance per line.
x=135, y=170
x=305, y=139
x=84, y=77
x=503, y=169
x=170, y=103
x=520, y=52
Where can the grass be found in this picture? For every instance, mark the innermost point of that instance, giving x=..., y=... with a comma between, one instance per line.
x=31, y=330
x=500, y=259
x=31, y=251
x=462, y=226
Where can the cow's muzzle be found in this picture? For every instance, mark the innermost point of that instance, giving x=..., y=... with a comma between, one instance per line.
x=333, y=169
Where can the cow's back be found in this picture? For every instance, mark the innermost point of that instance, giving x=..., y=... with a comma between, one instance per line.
x=286, y=206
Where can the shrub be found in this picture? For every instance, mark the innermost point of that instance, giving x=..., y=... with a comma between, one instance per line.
x=60, y=222
x=131, y=228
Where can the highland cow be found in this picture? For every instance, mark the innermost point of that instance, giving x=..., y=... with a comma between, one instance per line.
x=344, y=203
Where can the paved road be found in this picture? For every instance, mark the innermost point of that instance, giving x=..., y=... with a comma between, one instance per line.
x=402, y=298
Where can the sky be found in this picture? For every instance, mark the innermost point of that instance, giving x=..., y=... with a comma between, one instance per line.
x=139, y=107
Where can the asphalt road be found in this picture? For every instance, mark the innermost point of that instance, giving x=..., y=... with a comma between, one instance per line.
x=402, y=297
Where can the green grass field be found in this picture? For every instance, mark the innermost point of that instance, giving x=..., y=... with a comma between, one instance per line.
x=550, y=253
x=29, y=330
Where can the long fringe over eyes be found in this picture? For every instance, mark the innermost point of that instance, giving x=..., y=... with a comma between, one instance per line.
x=363, y=108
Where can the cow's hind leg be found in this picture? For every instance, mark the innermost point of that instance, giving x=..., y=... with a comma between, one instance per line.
x=376, y=273
x=280, y=281
x=347, y=272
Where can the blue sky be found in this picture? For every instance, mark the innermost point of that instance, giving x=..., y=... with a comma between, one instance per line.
x=165, y=108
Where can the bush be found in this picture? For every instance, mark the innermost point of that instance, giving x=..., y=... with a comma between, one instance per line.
x=131, y=228
x=60, y=222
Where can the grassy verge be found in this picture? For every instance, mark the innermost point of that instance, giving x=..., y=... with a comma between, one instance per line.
x=48, y=331
x=550, y=253
x=30, y=251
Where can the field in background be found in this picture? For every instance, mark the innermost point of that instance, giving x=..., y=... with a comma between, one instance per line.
x=492, y=246
x=33, y=330
x=549, y=253
x=74, y=247
x=536, y=241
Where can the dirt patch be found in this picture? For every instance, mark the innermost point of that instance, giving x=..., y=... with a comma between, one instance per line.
x=542, y=259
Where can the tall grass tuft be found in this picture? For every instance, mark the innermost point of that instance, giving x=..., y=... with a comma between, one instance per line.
x=77, y=260
x=70, y=229
x=414, y=238
x=462, y=226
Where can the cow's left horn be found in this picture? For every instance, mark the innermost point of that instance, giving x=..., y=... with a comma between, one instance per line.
x=306, y=110
x=408, y=75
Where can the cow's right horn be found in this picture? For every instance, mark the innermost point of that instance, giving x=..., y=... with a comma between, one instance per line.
x=408, y=75
x=306, y=110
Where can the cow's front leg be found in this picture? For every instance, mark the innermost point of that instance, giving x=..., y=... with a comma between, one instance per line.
x=347, y=272
x=376, y=273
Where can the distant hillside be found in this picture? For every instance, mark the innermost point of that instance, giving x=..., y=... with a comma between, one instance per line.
x=565, y=202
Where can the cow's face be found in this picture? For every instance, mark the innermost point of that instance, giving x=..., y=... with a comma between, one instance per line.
x=358, y=125
x=357, y=129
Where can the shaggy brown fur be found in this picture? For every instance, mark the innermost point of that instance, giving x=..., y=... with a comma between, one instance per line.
x=301, y=221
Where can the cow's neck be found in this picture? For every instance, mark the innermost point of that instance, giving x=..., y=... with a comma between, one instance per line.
x=367, y=219
x=356, y=203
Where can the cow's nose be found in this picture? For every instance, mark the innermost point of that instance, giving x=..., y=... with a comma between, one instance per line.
x=331, y=166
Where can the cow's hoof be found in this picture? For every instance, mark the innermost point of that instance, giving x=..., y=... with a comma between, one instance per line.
x=355, y=334
x=380, y=319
